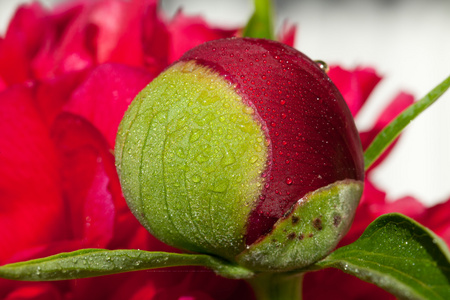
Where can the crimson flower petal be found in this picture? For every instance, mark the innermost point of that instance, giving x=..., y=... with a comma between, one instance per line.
x=287, y=34
x=31, y=205
x=336, y=285
x=105, y=95
x=35, y=291
x=355, y=85
x=67, y=44
x=400, y=103
x=436, y=218
x=85, y=164
x=188, y=32
x=23, y=39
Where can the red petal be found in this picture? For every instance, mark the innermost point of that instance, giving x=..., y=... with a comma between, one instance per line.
x=287, y=35
x=23, y=39
x=355, y=85
x=53, y=94
x=31, y=208
x=35, y=291
x=86, y=168
x=400, y=103
x=336, y=285
x=188, y=32
x=436, y=218
x=67, y=44
x=105, y=95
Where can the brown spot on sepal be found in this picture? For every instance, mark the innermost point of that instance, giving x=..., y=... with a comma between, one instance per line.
x=317, y=223
x=337, y=220
x=311, y=235
x=295, y=220
x=291, y=236
x=301, y=236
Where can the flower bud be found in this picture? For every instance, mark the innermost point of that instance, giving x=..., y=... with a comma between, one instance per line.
x=243, y=149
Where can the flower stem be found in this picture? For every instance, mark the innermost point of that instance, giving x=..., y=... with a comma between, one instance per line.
x=275, y=286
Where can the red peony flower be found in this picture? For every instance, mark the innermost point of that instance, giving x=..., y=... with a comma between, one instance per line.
x=67, y=76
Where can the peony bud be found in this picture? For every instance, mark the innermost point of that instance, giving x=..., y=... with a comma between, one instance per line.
x=246, y=150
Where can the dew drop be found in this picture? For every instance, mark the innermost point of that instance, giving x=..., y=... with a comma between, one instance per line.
x=248, y=110
x=228, y=159
x=253, y=159
x=289, y=181
x=201, y=158
x=180, y=153
x=322, y=65
x=195, y=135
x=196, y=178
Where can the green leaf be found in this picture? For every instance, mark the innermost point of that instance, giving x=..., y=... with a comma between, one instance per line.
x=391, y=131
x=400, y=256
x=260, y=24
x=98, y=262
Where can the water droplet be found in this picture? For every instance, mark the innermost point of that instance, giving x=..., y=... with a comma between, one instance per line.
x=195, y=135
x=221, y=186
x=180, y=153
x=283, y=102
x=201, y=158
x=253, y=159
x=322, y=65
x=289, y=181
x=196, y=178
x=248, y=110
x=228, y=159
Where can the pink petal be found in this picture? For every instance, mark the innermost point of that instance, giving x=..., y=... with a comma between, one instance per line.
x=105, y=95
x=354, y=85
x=31, y=208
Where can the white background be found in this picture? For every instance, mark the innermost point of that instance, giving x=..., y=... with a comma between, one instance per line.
x=407, y=41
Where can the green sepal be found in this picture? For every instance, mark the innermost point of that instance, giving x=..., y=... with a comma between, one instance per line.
x=98, y=262
x=399, y=255
x=260, y=24
x=391, y=131
x=310, y=231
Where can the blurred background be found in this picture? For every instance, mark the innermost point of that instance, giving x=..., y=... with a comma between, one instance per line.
x=407, y=41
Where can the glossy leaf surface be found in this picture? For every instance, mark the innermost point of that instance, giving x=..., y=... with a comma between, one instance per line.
x=98, y=262
x=400, y=256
